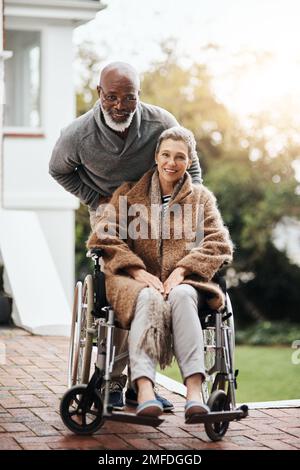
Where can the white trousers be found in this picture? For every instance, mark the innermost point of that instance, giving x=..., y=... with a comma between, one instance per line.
x=186, y=330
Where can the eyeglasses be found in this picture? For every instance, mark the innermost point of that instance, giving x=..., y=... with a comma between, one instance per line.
x=113, y=99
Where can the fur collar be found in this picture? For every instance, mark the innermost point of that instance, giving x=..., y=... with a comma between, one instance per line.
x=148, y=188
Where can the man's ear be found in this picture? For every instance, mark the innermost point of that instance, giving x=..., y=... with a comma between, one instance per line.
x=99, y=90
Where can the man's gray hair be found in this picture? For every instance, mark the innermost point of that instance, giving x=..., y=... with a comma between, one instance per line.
x=179, y=133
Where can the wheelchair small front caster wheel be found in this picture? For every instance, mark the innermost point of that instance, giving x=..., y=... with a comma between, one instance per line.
x=217, y=402
x=245, y=410
x=81, y=412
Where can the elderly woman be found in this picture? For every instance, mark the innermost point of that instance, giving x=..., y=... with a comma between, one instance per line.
x=159, y=273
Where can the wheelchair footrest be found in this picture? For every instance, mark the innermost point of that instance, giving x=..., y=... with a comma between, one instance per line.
x=216, y=416
x=133, y=418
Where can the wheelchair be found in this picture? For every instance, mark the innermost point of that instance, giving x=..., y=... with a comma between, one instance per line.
x=85, y=406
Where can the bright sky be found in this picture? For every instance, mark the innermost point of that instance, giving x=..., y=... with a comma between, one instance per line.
x=131, y=30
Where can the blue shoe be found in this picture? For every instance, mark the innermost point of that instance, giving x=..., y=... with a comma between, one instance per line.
x=151, y=408
x=195, y=408
x=131, y=400
x=116, y=397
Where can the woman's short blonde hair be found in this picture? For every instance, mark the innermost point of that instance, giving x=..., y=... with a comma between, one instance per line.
x=179, y=133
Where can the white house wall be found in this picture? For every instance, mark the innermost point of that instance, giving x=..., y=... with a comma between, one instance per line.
x=27, y=184
x=29, y=193
x=40, y=303
x=26, y=180
x=58, y=228
x=77, y=12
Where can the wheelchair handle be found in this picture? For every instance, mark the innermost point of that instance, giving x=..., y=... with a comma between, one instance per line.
x=94, y=253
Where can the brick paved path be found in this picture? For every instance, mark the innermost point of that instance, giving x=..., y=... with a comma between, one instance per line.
x=33, y=379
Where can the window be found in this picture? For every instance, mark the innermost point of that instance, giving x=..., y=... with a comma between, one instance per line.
x=22, y=79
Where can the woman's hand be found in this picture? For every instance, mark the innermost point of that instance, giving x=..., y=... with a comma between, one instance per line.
x=175, y=278
x=144, y=277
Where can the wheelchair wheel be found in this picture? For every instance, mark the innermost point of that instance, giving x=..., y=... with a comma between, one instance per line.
x=81, y=341
x=88, y=301
x=217, y=402
x=81, y=414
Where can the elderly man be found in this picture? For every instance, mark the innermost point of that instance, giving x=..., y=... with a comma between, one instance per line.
x=112, y=143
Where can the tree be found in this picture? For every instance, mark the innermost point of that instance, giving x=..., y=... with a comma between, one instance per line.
x=255, y=187
x=89, y=63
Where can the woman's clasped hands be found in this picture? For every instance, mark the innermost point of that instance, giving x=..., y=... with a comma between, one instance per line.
x=141, y=275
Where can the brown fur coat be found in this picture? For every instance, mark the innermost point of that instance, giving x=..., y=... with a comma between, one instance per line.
x=161, y=256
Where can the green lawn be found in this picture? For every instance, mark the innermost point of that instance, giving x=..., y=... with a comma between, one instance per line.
x=265, y=373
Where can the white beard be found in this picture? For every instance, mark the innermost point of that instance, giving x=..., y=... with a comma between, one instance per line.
x=116, y=126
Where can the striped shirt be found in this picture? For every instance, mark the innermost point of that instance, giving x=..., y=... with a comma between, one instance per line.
x=165, y=202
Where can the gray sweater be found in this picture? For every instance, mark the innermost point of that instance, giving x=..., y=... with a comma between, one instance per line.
x=90, y=160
